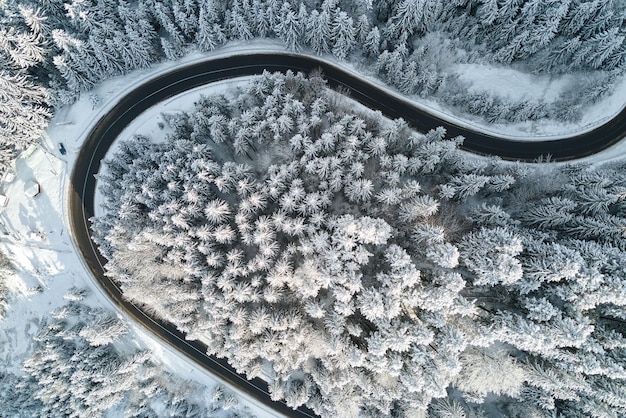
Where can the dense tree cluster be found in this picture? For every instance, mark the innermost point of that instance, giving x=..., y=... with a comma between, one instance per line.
x=366, y=269
x=52, y=50
x=75, y=370
x=6, y=271
x=23, y=99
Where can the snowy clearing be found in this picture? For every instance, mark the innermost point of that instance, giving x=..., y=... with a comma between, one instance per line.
x=508, y=83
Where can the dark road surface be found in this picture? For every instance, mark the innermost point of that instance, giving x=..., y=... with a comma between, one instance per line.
x=106, y=131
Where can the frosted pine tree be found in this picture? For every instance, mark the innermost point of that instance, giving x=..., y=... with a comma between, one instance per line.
x=237, y=23
x=343, y=35
x=210, y=32
x=490, y=270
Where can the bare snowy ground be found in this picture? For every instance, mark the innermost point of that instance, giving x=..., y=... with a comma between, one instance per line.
x=36, y=236
x=509, y=83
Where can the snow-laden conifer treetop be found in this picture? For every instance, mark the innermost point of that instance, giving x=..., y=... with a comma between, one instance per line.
x=365, y=269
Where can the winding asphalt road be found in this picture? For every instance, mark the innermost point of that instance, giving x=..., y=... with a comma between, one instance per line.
x=83, y=183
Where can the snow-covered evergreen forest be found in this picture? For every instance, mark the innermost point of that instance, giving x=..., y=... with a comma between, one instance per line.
x=52, y=50
x=358, y=266
x=6, y=270
x=365, y=269
x=76, y=369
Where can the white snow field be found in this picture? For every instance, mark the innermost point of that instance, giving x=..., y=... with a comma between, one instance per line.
x=34, y=232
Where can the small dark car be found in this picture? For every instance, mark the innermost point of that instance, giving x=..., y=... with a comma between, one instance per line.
x=62, y=149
